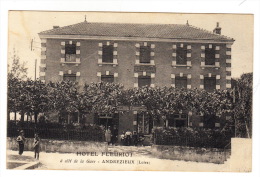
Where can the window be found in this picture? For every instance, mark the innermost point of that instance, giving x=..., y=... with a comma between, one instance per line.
x=177, y=120
x=144, y=81
x=181, y=82
x=209, y=121
x=70, y=77
x=107, y=53
x=210, y=84
x=144, y=123
x=145, y=54
x=181, y=55
x=210, y=56
x=70, y=52
x=107, y=78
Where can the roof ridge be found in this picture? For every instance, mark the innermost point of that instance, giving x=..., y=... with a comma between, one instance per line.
x=149, y=30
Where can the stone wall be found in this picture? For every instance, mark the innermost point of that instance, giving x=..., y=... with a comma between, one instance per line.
x=62, y=146
x=209, y=155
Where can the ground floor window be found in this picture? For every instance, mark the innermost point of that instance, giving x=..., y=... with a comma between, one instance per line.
x=177, y=120
x=144, y=123
x=181, y=82
x=209, y=121
x=144, y=81
x=210, y=84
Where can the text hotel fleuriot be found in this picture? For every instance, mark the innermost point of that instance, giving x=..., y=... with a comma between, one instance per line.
x=119, y=158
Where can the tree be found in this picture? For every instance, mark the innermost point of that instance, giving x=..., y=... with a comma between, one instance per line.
x=242, y=110
x=37, y=98
x=17, y=69
x=16, y=73
x=62, y=97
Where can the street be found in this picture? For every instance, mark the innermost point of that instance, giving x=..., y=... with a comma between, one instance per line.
x=141, y=160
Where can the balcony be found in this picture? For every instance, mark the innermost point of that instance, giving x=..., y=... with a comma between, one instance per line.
x=175, y=65
x=114, y=63
x=216, y=66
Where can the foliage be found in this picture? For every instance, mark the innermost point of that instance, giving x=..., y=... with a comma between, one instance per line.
x=161, y=101
x=17, y=70
x=56, y=131
x=243, y=92
x=66, y=96
x=192, y=137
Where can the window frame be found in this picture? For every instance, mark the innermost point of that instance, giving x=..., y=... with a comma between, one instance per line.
x=144, y=77
x=145, y=54
x=70, y=52
x=178, y=117
x=178, y=78
x=210, y=56
x=212, y=88
x=183, y=52
x=107, y=53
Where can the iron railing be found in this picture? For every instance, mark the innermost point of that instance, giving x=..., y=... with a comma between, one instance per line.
x=60, y=134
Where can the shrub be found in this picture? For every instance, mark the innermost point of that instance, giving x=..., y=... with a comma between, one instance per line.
x=192, y=137
x=56, y=131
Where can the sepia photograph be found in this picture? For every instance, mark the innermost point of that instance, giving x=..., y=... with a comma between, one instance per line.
x=129, y=91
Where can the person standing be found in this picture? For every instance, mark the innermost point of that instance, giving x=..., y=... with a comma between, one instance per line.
x=128, y=137
x=122, y=138
x=36, y=146
x=114, y=135
x=135, y=138
x=108, y=135
x=21, y=140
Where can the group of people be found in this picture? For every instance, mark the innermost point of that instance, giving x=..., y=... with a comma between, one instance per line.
x=36, y=144
x=126, y=138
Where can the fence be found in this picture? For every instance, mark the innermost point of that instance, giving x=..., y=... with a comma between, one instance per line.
x=92, y=134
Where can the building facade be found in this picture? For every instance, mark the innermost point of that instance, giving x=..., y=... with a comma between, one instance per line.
x=136, y=55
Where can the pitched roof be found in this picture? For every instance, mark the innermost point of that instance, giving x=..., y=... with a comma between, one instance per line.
x=165, y=31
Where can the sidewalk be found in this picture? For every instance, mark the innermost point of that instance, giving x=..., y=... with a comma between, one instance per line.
x=21, y=162
x=142, y=158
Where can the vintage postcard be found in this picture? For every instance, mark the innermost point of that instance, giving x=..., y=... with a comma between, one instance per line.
x=117, y=91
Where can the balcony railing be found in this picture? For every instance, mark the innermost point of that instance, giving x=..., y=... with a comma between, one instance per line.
x=70, y=58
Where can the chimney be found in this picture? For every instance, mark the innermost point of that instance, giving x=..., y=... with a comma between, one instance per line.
x=54, y=27
x=217, y=30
